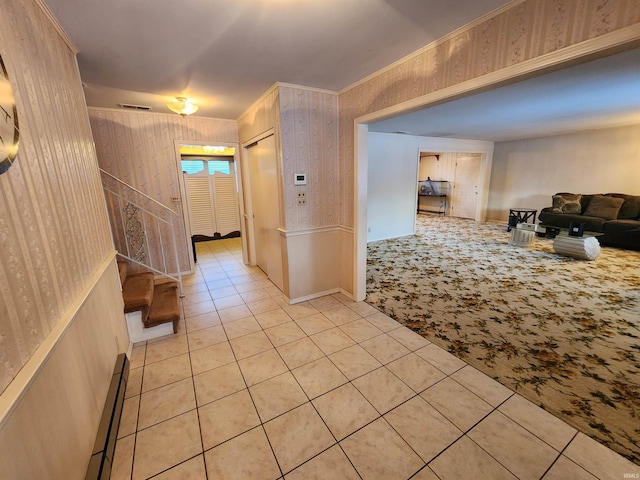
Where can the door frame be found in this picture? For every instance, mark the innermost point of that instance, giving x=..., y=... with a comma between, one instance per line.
x=184, y=200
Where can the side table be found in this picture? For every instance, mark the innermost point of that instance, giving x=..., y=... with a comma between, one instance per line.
x=521, y=237
x=522, y=215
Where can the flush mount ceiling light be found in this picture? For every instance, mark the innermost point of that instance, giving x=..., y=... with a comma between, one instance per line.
x=183, y=106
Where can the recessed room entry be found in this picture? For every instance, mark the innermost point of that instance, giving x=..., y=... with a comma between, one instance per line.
x=209, y=176
x=448, y=183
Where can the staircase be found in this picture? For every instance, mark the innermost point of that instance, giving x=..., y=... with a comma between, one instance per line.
x=144, y=234
x=149, y=303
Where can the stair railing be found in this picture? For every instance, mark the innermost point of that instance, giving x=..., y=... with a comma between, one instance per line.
x=143, y=229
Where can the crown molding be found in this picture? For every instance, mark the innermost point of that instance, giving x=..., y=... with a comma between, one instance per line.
x=54, y=21
x=435, y=43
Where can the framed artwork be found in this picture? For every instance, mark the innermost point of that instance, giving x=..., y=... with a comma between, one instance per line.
x=9, y=131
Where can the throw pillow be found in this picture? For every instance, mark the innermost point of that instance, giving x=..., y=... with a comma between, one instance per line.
x=604, y=207
x=567, y=203
x=630, y=209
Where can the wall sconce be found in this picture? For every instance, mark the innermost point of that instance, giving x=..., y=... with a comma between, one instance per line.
x=183, y=106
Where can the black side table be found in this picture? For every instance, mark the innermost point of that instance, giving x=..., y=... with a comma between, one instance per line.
x=522, y=215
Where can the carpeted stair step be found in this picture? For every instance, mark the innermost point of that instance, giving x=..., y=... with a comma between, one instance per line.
x=165, y=307
x=138, y=293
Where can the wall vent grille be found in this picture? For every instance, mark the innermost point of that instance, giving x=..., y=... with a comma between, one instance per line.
x=135, y=107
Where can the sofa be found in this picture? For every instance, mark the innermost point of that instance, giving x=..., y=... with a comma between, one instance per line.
x=614, y=216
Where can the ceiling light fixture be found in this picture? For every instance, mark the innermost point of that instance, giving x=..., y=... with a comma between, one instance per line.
x=183, y=106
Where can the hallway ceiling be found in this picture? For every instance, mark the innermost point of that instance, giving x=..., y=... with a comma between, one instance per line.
x=224, y=54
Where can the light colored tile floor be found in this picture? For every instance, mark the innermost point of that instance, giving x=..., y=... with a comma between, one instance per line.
x=254, y=388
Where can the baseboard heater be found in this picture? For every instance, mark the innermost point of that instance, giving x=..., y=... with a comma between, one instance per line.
x=105, y=444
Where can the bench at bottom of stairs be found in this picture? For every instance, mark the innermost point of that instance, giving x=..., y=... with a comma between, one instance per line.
x=152, y=308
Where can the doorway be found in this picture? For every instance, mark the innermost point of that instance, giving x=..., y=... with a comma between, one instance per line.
x=209, y=187
x=212, y=197
x=457, y=177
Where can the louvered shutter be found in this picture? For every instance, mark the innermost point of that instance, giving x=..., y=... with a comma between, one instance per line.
x=200, y=206
x=226, y=203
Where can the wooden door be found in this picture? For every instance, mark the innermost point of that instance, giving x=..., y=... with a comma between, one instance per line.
x=464, y=198
x=263, y=180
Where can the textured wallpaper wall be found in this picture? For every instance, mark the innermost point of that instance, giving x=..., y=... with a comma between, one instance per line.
x=305, y=122
x=525, y=30
x=139, y=148
x=53, y=226
x=309, y=140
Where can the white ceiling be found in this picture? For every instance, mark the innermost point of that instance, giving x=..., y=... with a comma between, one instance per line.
x=224, y=54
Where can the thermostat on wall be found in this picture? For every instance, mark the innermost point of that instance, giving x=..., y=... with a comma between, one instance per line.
x=299, y=178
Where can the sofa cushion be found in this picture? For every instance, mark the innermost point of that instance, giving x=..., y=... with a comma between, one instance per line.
x=621, y=225
x=630, y=208
x=567, y=203
x=621, y=239
x=604, y=207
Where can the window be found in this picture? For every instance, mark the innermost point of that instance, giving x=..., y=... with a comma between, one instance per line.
x=192, y=166
x=222, y=166
x=204, y=166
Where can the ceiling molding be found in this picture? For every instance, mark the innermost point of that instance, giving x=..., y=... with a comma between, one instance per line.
x=54, y=21
x=308, y=89
x=277, y=85
x=269, y=91
x=435, y=43
x=610, y=41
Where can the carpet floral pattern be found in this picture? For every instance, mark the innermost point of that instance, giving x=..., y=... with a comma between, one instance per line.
x=562, y=332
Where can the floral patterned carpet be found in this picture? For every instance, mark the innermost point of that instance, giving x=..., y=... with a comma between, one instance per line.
x=562, y=332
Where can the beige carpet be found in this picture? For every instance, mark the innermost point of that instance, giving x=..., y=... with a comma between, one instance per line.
x=562, y=332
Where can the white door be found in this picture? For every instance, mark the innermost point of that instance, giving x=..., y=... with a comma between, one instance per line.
x=263, y=191
x=464, y=198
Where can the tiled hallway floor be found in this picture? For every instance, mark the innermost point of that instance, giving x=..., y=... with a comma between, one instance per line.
x=254, y=388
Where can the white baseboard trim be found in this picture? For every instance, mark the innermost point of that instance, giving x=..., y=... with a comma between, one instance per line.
x=347, y=294
x=293, y=301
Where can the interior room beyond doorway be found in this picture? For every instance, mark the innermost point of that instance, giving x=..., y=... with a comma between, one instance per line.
x=448, y=183
x=211, y=192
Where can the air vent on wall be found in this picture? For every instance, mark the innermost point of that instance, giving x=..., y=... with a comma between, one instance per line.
x=135, y=107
